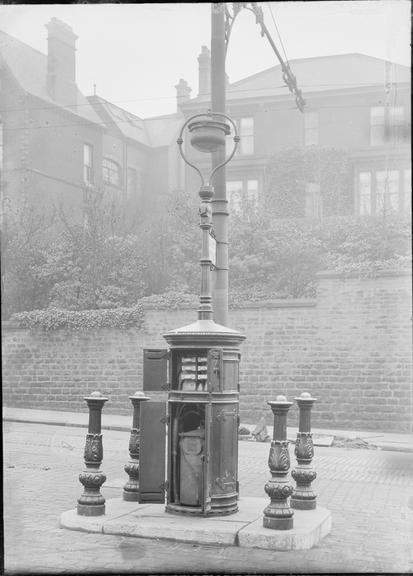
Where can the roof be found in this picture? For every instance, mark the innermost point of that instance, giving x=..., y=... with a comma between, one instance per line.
x=320, y=74
x=129, y=124
x=29, y=67
x=153, y=132
x=162, y=130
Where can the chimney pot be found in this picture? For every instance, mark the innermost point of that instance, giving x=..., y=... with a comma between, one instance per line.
x=183, y=92
x=204, y=71
x=61, y=62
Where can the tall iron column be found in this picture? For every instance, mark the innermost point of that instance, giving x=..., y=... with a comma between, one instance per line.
x=219, y=202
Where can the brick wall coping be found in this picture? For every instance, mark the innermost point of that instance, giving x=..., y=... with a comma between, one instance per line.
x=380, y=274
x=282, y=303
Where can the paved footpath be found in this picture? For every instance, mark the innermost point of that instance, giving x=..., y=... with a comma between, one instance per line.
x=369, y=492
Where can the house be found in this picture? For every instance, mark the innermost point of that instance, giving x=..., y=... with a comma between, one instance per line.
x=57, y=145
x=138, y=157
x=52, y=137
x=355, y=103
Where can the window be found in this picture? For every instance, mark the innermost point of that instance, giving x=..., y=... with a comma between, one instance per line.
x=384, y=192
x=234, y=194
x=313, y=204
x=396, y=123
x=246, y=130
x=407, y=181
x=364, y=193
x=132, y=182
x=87, y=164
x=310, y=128
x=242, y=196
x=387, y=124
x=377, y=135
x=252, y=194
x=1, y=155
x=111, y=172
x=387, y=191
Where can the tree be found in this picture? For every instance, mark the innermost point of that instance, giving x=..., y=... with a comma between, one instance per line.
x=23, y=237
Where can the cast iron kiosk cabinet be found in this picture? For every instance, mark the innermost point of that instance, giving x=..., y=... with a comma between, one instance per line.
x=203, y=400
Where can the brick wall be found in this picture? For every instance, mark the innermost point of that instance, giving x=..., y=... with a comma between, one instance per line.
x=351, y=348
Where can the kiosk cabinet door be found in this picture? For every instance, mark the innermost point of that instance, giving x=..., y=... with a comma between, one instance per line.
x=215, y=369
x=206, y=468
x=152, y=452
x=155, y=365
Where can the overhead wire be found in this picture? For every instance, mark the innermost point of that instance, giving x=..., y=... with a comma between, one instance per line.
x=105, y=123
x=234, y=90
x=279, y=35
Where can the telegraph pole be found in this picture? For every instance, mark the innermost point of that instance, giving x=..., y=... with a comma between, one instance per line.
x=221, y=24
x=219, y=202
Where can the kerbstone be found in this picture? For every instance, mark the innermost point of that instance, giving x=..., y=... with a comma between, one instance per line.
x=310, y=526
x=244, y=528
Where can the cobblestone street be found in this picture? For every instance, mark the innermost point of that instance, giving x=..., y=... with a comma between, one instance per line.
x=369, y=493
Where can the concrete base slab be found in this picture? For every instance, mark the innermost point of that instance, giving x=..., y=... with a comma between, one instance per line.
x=310, y=526
x=115, y=507
x=244, y=528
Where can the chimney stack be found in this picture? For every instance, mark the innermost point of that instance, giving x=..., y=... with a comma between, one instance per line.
x=183, y=92
x=61, y=62
x=204, y=72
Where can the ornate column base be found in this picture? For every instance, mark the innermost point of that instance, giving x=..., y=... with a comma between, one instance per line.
x=91, y=502
x=131, y=488
x=278, y=515
x=304, y=498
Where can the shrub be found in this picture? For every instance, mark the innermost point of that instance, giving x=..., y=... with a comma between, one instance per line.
x=54, y=318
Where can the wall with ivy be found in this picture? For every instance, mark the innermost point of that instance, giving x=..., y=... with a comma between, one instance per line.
x=350, y=347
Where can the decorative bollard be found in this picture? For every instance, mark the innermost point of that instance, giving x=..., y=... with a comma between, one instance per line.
x=131, y=488
x=278, y=515
x=92, y=503
x=304, y=498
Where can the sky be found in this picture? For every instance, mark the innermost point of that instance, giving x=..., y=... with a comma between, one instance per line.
x=136, y=53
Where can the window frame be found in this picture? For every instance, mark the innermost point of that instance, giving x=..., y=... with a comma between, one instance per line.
x=247, y=136
x=88, y=167
x=385, y=191
x=131, y=170
x=388, y=126
x=246, y=193
x=313, y=201
x=109, y=170
x=312, y=128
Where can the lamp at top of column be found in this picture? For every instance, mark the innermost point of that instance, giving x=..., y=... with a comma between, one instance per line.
x=208, y=133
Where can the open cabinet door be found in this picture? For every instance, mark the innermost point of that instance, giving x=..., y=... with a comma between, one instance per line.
x=152, y=452
x=155, y=373
x=206, y=472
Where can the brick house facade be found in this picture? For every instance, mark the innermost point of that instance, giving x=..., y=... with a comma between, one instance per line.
x=354, y=103
x=57, y=144
x=55, y=141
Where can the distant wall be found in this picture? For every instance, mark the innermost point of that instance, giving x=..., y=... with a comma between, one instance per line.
x=351, y=348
